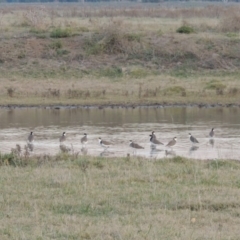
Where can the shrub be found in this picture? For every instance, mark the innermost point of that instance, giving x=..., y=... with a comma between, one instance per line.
x=60, y=33
x=185, y=29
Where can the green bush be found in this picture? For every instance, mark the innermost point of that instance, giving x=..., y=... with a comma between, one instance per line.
x=61, y=33
x=185, y=29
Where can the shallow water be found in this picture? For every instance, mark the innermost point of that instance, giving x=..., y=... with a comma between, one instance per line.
x=119, y=125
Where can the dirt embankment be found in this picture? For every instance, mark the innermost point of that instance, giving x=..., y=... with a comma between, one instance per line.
x=91, y=51
x=65, y=55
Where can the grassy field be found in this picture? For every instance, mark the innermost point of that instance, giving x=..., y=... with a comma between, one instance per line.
x=82, y=197
x=126, y=53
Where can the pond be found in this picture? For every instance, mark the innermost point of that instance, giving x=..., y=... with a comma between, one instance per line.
x=119, y=125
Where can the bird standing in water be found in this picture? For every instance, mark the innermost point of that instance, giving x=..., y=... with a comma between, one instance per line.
x=154, y=141
x=62, y=138
x=30, y=137
x=104, y=144
x=211, y=134
x=192, y=138
x=84, y=139
x=172, y=142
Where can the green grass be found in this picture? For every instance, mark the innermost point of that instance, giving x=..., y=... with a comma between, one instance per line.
x=185, y=29
x=134, y=198
x=215, y=85
x=60, y=33
x=110, y=72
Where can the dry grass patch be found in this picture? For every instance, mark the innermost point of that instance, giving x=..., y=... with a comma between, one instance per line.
x=120, y=198
x=121, y=88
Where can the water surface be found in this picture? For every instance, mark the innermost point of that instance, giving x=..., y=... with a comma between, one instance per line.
x=119, y=125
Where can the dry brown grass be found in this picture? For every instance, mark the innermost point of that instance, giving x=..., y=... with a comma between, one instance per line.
x=124, y=198
x=231, y=22
x=178, y=88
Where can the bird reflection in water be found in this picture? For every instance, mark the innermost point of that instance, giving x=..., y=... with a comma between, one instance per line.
x=170, y=153
x=105, y=153
x=135, y=146
x=154, y=152
x=193, y=149
x=30, y=147
x=211, y=142
x=64, y=148
x=84, y=151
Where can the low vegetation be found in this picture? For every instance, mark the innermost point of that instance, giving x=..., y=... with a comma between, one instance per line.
x=117, y=198
x=60, y=33
x=71, y=49
x=185, y=29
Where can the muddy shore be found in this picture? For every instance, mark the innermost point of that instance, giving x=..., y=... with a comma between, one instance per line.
x=101, y=106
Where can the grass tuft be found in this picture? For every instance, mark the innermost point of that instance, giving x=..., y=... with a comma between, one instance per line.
x=85, y=209
x=179, y=159
x=61, y=33
x=185, y=29
x=56, y=45
x=176, y=90
x=110, y=72
x=217, y=86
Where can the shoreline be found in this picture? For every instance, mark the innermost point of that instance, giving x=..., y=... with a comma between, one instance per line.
x=130, y=105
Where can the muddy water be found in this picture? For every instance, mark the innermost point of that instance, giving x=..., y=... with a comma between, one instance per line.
x=119, y=125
